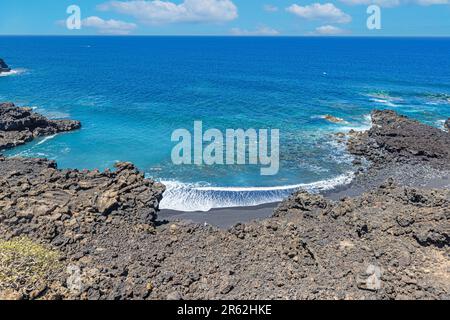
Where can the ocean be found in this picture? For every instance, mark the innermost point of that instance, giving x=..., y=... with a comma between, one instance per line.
x=131, y=93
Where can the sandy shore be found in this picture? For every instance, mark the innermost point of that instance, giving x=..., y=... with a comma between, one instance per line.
x=222, y=218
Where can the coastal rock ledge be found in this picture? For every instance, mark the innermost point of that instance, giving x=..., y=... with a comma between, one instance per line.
x=394, y=138
x=21, y=125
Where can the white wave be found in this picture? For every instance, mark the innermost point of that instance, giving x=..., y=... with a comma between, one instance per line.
x=438, y=101
x=12, y=72
x=194, y=197
x=385, y=99
x=364, y=125
x=326, y=117
x=441, y=124
x=385, y=102
x=46, y=139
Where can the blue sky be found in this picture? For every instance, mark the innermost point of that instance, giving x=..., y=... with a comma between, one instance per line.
x=227, y=17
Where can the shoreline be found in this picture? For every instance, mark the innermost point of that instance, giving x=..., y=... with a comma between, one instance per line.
x=384, y=236
x=224, y=218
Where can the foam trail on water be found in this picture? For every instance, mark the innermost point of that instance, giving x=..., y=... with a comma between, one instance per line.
x=364, y=125
x=46, y=139
x=191, y=197
x=385, y=99
x=12, y=72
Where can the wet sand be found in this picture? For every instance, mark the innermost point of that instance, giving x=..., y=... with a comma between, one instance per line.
x=223, y=218
x=407, y=175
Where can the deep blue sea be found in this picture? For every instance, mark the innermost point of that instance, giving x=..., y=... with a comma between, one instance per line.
x=131, y=93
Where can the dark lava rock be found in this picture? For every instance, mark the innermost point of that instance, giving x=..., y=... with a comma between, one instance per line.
x=397, y=139
x=21, y=125
x=4, y=67
x=63, y=206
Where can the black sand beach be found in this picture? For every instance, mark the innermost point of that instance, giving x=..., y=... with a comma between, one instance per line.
x=94, y=235
x=222, y=218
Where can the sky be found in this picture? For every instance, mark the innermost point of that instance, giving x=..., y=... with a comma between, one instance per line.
x=226, y=17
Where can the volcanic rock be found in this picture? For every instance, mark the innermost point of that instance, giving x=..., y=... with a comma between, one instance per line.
x=4, y=67
x=21, y=125
x=397, y=139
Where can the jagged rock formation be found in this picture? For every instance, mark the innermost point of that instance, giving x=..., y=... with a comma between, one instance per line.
x=21, y=125
x=4, y=67
x=62, y=206
x=398, y=139
x=391, y=243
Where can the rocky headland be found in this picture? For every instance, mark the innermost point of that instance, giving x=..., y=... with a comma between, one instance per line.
x=95, y=235
x=21, y=125
x=397, y=139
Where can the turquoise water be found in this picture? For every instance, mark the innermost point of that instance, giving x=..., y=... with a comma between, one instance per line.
x=131, y=93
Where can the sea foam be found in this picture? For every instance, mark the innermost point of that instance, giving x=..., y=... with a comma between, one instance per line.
x=195, y=197
x=12, y=72
x=46, y=139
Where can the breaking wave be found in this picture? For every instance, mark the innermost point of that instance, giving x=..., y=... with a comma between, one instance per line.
x=385, y=99
x=195, y=197
x=12, y=72
x=44, y=140
x=441, y=124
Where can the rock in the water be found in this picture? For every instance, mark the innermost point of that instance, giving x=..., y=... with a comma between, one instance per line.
x=21, y=125
x=4, y=67
x=333, y=119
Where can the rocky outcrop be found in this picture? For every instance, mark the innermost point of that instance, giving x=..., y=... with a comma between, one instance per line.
x=4, y=67
x=63, y=206
x=397, y=139
x=447, y=124
x=21, y=125
x=333, y=119
x=391, y=243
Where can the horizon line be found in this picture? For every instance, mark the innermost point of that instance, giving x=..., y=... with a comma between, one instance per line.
x=226, y=36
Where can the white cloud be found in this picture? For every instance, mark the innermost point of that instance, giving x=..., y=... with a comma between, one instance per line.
x=395, y=3
x=162, y=12
x=261, y=31
x=329, y=30
x=432, y=2
x=270, y=8
x=108, y=26
x=317, y=11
